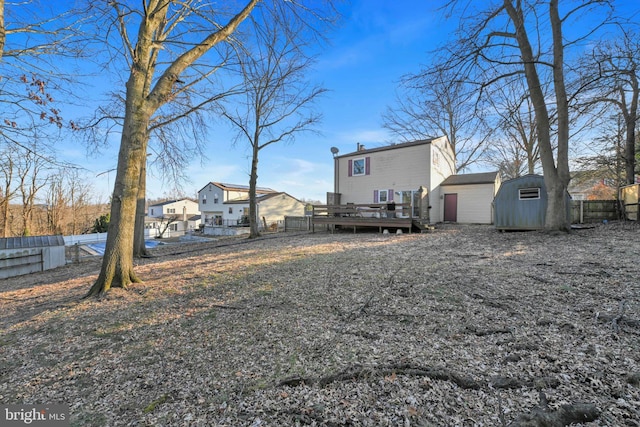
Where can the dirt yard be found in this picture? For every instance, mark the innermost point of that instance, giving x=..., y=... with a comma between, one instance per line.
x=463, y=326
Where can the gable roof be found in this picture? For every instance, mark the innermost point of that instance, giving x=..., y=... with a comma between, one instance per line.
x=259, y=198
x=389, y=147
x=236, y=187
x=471, y=178
x=168, y=202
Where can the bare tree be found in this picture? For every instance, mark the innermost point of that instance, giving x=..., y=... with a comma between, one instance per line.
x=7, y=171
x=31, y=181
x=29, y=54
x=614, y=71
x=514, y=148
x=276, y=104
x=165, y=222
x=605, y=157
x=438, y=102
x=526, y=37
x=174, y=53
x=149, y=87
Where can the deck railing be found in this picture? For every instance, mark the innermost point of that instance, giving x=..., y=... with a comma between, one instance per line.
x=365, y=210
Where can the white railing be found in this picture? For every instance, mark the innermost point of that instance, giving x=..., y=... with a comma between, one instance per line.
x=83, y=239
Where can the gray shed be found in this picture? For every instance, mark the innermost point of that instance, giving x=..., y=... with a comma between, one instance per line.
x=24, y=255
x=521, y=204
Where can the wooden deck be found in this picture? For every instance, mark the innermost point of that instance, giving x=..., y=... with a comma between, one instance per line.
x=353, y=216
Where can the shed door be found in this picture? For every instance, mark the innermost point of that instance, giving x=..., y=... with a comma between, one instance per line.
x=451, y=207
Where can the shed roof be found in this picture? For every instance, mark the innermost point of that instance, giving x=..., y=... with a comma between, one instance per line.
x=471, y=178
x=31, y=242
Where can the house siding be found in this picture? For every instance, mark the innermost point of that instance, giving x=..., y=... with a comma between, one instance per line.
x=383, y=173
x=396, y=169
x=160, y=210
x=443, y=165
x=275, y=208
x=474, y=202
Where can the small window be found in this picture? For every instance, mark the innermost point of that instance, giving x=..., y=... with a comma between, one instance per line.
x=382, y=196
x=171, y=210
x=358, y=167
x=529, y=193
x=215, y=198
x=230, y=210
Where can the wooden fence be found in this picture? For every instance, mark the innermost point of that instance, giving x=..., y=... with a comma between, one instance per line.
x=297, y=223
x=591, y=211
x=629, y=196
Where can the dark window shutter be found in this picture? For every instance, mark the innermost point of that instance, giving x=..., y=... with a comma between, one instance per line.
x=350, y=167
x=367, y=165
x=390, y=196
x=375, y=196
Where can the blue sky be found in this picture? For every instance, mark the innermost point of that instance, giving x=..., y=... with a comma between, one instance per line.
x=378, y=42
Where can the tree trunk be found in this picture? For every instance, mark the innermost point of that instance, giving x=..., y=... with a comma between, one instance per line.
x=556, y=177
x=145, y=93
x=631, y=119
x=117, y=264
x=253, y=182
x=139, y=246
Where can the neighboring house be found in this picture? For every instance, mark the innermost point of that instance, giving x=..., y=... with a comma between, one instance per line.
x=174, y=215
x=271, y=208
x=414, y=173
x=468, y=198
x=591, y=185
x=224, y=204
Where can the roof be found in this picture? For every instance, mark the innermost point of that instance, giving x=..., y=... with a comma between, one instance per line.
x=259, y=198
x=174, y=218
x=168, y=202
x=390, y=147
x=236, y=187
x=31, y=242
x=471, y=178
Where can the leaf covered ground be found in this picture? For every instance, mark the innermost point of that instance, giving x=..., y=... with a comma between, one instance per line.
x=462, y=326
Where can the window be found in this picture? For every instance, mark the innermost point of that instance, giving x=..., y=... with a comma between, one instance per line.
x=382, y=196
x=529, y=193
x=215, y=198
x=230, y=210
x=152, y=211
x=360, y=167
x=204, y=199
x=171, y=210
x=173, y=227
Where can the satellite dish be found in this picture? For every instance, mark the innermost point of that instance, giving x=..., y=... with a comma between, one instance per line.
x=334, y=150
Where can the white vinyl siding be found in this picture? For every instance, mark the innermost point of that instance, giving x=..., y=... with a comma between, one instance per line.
x=474, y=202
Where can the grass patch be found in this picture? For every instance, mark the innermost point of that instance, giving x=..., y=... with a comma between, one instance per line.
x=152, y=406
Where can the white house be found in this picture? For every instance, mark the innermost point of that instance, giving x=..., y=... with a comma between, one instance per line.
x=224, y=204
x=401, y=173
x=177, y=215
x=420, y=173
